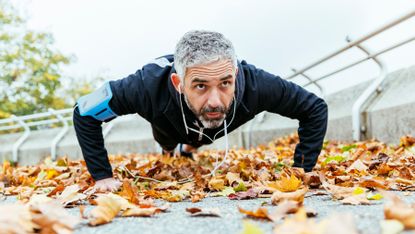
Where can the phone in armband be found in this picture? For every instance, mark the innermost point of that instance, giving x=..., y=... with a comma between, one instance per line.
x=96, y=104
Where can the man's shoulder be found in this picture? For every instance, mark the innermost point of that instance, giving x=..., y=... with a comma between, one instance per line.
x=163, y=61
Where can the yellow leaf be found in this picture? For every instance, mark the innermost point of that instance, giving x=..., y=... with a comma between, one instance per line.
x=358, y=191
x=288, y=184
x=51, y=173
x=250, y=228
x=376, y=196
x=217, y=184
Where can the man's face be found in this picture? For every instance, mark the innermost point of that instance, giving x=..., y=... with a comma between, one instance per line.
x=209, y=90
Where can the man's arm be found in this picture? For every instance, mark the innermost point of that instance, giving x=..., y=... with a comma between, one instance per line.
x=128, y=97
x=288, y=99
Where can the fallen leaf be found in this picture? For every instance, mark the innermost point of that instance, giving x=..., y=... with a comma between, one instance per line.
x=216, y=184
x=51, y=215
x=233, y=178
x=250, y=228
x=107, y=208
x=357, y=165
x=298, y=196
x=16, y=218
x=391, y=226
x=397, y=209
x=338, y=192
x=129, y=192
x=288, y=184
x=356, y=200
x=250, y=194
x=260, y=213
x=140, y=212
x=70, y=195
x=199, y=212
x=283, y=209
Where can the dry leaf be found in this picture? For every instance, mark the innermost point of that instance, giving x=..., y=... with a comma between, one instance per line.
x=129, y=192
x=357, y=165
x=216, y=184
x=288, y=184
x=283, y=209
x=53, y=216
x=298, y=196
x=211, y=212
x=338, y=192
x=70, y=195
x=107, y=208
x=250, y=194
x=260, y=213
x=16, y=218
x=399, y=210
x=356, y=200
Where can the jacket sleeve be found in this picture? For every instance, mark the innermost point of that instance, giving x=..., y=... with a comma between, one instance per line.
x=128, y=98
x=282, y=97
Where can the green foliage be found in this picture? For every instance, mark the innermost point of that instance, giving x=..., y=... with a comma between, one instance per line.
x=335, y=158
x=30, y=68
x=348, y=147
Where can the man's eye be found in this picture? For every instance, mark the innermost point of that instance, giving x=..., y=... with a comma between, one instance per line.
x=200, y=86
x=226, y=83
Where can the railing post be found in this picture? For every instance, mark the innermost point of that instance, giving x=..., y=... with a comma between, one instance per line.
x=364, y=98
x=60, y=135
x=20, y=141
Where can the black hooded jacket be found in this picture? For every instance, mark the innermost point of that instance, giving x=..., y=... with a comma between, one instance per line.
x=150, y=93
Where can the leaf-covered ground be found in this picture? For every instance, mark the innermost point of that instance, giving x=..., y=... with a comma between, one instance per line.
x=356, y=174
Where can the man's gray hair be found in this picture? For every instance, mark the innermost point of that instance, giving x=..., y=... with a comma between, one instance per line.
x=200, y=47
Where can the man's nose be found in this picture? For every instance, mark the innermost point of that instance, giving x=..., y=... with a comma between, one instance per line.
x=214, y=99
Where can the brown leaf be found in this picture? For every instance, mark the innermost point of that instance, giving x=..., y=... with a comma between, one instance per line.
x=299, y=224
x=197, y=196
x=250, y=194
x=70, y=195
x=16, y=218
x=338, y=192
x=260, y=213
x=232, y=178
x=53, y=216
x=108, y=206
x=216, y=184
x=298, y=196
x=129, y=192
x=399, y=210
x=194, y=211
x=140, y=212
x=283, y=209
x=357, y=165
x=356, y=200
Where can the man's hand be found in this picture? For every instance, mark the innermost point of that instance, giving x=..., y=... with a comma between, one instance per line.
x=107, y=185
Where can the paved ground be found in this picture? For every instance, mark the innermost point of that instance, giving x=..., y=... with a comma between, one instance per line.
x=177, y=219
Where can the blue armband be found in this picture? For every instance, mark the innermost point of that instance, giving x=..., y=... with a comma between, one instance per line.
x=96, y=104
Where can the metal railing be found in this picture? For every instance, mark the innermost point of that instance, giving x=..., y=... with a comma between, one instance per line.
x=376, y=86
x=65, y=116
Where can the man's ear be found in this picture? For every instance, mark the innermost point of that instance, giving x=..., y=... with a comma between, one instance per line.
x=175, y=79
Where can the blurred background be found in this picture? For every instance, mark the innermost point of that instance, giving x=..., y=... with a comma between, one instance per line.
x=98, y=40
x=52, y=52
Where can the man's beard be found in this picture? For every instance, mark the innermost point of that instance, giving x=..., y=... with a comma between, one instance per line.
x=209, y=122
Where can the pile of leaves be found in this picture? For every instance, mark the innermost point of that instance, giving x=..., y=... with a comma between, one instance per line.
x=354, y=174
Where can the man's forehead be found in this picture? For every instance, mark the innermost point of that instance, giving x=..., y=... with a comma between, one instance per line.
x=217, y=69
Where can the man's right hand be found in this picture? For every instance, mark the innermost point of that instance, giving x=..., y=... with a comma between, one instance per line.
x=107, y=185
